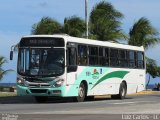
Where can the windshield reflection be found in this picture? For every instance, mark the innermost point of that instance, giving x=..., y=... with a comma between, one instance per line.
x=46, y=62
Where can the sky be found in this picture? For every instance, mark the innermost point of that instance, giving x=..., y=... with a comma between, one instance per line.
x=18, y=16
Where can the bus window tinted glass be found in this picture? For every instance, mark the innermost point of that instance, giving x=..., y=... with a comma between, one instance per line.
x=140, y=60
x=101, y=52
x=82, y=55
x=113, y=57
x=72, y=56
x=132, y=59
x=123, y=58
x=93, y=55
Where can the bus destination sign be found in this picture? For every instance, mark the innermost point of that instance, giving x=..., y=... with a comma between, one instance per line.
x=42, y=42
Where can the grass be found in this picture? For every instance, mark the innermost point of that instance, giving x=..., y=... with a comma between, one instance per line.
x=7, y=94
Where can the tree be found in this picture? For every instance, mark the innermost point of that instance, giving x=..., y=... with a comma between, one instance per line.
x=152, y=69
x=74, y=26
x=2, y=71
x=105, y=22
x=46, y=25
x=143, y=34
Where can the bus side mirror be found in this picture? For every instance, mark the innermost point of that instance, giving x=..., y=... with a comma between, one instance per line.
x=11, y=55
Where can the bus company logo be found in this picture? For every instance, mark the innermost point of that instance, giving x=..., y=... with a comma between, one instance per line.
x=88, y=73
x=95, y=74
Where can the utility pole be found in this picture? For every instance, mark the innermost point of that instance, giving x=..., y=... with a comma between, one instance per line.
x=86, y=17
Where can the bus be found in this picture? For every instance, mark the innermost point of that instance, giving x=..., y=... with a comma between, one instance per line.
x=64, y=66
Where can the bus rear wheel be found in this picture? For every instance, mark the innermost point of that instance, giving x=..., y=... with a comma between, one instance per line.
x=41, y=99
x=81, y=93
x=122, y=92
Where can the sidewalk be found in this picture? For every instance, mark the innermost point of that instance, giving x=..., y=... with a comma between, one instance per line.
x=146, y=92
x=7, y=94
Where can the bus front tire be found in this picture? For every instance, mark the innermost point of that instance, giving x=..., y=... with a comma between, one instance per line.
x=41, y=99
x=81, y=93
x=122, y=92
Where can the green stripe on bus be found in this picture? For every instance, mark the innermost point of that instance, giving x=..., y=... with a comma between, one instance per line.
x=115, y=74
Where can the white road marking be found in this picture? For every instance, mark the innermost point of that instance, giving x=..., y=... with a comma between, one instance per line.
x=122, y=103
x=135, y=102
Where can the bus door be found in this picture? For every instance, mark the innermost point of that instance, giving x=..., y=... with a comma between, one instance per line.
x=71, y=65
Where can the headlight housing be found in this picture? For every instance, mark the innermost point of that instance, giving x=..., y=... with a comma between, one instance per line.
x=58, y=82
x=20, y=81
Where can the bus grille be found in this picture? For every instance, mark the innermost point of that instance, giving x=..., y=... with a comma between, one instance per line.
x=39, y=85
x=38, y=90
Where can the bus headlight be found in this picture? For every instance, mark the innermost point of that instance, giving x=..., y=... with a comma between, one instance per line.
x=58, y=83
x=20, y=81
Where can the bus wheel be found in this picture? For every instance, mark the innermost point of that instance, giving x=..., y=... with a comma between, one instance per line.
x=41, y=99
x=81, y=93
x=122, y=92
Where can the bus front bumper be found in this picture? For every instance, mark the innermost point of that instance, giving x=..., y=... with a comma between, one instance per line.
x=22, y=91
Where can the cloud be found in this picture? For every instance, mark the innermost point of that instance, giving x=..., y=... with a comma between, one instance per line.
x=43, y=4
x=36, y=5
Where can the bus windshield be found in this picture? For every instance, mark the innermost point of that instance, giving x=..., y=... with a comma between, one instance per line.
x=41, y=61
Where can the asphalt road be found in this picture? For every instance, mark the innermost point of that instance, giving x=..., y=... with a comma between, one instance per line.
x=26, y=107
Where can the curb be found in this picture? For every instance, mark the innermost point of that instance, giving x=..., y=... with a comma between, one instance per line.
x=146, y=93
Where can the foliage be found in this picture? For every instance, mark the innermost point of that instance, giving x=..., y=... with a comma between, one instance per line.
x=105, y=22
x=143, y=34
x=46, y=25
x=74, y=26
x=2, y=71
x=152, y=68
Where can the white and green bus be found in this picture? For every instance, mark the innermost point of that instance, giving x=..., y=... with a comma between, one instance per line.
x=65, y=66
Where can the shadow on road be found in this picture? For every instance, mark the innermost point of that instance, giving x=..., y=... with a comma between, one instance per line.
x=31, y=100
x=28, y=100
x=17, y=100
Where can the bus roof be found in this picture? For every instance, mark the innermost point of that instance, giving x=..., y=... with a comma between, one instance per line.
x=68, y=38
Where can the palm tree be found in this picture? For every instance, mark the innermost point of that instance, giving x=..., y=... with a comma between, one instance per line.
x=46, y=25
x=105, y=22
x=74, y=26
x=2, y=71
x=152, y=69
x=143, y=34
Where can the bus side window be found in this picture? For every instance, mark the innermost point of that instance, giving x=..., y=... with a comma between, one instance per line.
x=72, y=59
x=132, y=61
x=123, y=58
x=140, y=60
x=114, y=57
x=82, y=55
x=93, y=55
x=101, y=56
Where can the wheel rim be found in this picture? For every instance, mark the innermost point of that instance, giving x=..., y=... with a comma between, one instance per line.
x=81, y=92
x=123, y=91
